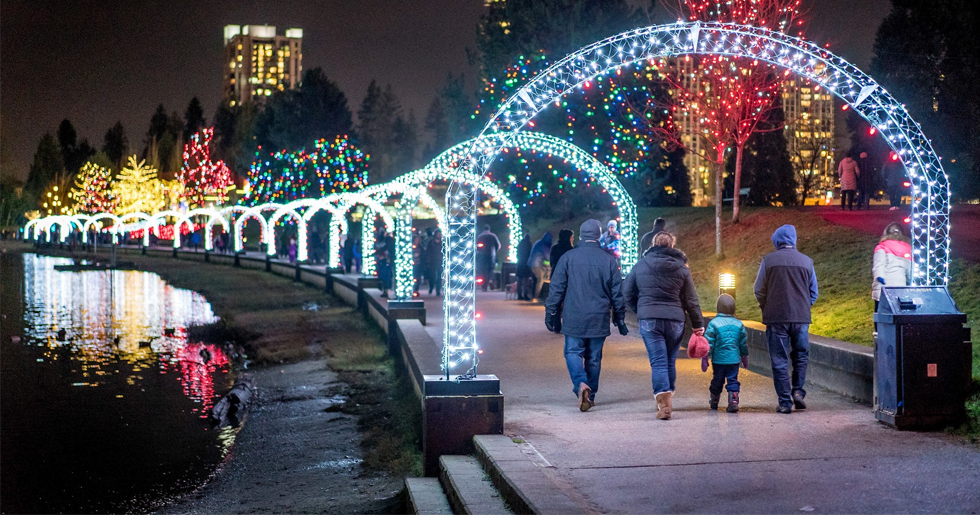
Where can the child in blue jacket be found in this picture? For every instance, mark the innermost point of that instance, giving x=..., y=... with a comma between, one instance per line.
x=728, y=346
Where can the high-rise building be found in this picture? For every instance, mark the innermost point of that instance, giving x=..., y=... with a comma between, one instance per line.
x=259, y=62
x=809, y=112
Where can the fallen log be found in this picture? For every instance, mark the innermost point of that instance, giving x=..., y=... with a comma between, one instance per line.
x=233, y=407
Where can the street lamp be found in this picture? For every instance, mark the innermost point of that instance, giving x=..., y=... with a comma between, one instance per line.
x=726, y=284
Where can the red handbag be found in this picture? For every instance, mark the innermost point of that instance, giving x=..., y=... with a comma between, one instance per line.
x=697, y=346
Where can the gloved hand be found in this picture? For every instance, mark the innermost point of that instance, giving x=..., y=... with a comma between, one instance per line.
x=623, y=330
x=699, y=331
x=745, y=362
x=549, y=321
x=704, y=364
x=880, y=280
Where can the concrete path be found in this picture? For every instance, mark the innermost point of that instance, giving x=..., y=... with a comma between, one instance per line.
x=832, y=458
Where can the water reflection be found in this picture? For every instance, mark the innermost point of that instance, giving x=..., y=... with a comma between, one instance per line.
x=103, y=400
x=108, y=317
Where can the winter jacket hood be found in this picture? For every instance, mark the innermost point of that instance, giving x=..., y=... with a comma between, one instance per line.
x=785, y=236
x=590, y=230
x=891, y=264
x=660, y=287
x=896, y=247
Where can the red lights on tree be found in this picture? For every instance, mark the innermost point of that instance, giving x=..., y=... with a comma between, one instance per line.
x=205, y=182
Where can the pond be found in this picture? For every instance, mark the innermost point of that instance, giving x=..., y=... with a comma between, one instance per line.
x=104, y=402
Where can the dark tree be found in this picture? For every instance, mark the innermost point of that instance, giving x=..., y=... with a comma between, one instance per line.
x=115, y=144
x=294, y=119
x=158, y=124
x=437, y=126
x=406, y=144
x=925, y=55
x=193, y=118
x=378, y=130
x=767, y=168
x=73, y=153
x=668, y=183
x=46, y=168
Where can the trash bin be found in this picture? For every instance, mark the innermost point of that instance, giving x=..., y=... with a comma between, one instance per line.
x=923, y=358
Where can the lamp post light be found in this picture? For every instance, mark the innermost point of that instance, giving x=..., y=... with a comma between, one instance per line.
x=726, y=284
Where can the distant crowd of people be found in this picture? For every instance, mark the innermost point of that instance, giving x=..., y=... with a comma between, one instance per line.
x=858, y=181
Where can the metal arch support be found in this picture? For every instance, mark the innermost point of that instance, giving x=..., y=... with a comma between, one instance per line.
x=452, y=158
x=930, y=196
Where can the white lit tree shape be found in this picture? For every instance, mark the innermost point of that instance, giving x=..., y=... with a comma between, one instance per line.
x=205, y=182
x=93, y=190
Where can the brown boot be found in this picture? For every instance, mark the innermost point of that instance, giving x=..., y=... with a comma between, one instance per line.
x=664, y=405
x=584, y=397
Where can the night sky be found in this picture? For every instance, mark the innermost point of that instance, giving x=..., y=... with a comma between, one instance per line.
x=95, y=62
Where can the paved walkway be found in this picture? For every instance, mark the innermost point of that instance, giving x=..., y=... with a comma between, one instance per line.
x=618, y=458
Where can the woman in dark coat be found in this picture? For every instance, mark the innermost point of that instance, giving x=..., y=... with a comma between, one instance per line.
x=564, y=245
x=659, y=289
x=523, y=270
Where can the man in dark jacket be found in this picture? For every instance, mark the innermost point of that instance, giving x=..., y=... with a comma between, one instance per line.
x=487, y=245
x=786, y=288
x=586, y=285
x=659, y=225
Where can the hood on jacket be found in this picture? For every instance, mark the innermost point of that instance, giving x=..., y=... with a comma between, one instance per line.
x=666, y=257
x=897, y=247
x=726, y=304
x=590, y=230
x=564, y=237
x=785, y=236
x=546, y=239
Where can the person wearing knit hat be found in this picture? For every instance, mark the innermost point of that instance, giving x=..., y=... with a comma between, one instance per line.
x=584, y=289
x=610, y=239
x=727, y=341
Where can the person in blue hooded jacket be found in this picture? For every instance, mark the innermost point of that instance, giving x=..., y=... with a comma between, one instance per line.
x=786, y=289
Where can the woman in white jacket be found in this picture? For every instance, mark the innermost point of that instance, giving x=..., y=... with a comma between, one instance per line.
x=892, y=262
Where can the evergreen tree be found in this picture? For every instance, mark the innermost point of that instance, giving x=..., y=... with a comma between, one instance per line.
x=379, y=114
x=74, y=153
x=438, y=128
x=406, y=143
x=47, y=167
x=158, y=124
x=295, y=118
x=138, y=189
x=193, y=118
x=925, y=56
x=93, y=191
x=767, y=169
x=115, y=144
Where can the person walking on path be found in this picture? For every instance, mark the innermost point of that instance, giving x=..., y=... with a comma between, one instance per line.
x=523, y=269
x=892, y=262
x=539, y=252
x=894, y=172
x=786, y=289
x=418, y=266
x=610, y=239
x=659, y=225
x=348, y=253
x=864, y=182
x=728, y=346
x=487, y=245
x=559, y=249
x=433, y=262
x=382, y=260
x=659, y=289
x=292, y=250
x=848, y=173
x=586, y=286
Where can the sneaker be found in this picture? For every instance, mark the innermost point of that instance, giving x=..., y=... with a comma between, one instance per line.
x=584, y=394
x=713, y=401
x=786, y=410
x=798, y=400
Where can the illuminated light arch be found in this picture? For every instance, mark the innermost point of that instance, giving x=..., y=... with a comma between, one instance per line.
x=254, y=213
x=145, y=224
x=64, y=223
x=412, y=196
x=32, y=226
x=301, y=236
x=92, y=219
x=213, y=216
x=182, y=220
x=338, y=225
x=429, y=174
x=373, y=209
x=930, y=195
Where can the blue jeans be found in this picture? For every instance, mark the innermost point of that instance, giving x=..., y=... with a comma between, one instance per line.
x=721, y=373
x=662, y=339
x=584, y=359
x=788, y=343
